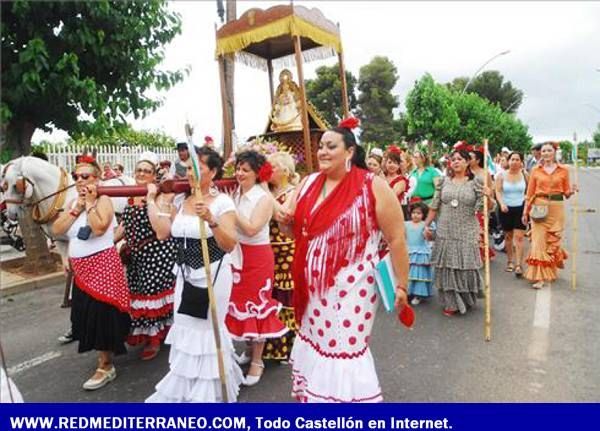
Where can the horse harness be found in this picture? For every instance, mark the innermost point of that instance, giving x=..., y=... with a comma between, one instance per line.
x=59, y=196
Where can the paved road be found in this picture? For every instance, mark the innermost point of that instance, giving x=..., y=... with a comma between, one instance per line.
x=545, y=344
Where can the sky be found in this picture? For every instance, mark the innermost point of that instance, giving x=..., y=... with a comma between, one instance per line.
x=554, y=59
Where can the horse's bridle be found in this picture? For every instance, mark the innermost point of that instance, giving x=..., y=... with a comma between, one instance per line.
x=57, y=203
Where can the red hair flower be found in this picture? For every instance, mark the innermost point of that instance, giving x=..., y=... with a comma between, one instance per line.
x=265, y=172
x=462, y=146
x=349, y=123
x=87, y=159
x=208, y=139
x=394, y=149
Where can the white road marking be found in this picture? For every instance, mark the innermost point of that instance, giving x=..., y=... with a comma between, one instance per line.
x=33, y=362
x=540, y=335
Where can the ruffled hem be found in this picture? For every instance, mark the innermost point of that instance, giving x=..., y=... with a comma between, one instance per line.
x=194, y=368
x=253, y=328
x=316, y=378
x=458, y=289
x=420, y=288
x=448, y=253
x=152, y=336
x=152, y=313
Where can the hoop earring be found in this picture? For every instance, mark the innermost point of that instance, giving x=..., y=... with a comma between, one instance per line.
x=348, y=165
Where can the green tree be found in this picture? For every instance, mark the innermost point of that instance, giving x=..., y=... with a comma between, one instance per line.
x=376, y=101
x=491, y=86
x=596, y=137
x=325, y=92
x=431, y=113
x=81, y=66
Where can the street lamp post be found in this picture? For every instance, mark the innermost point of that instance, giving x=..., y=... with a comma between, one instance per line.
x=514, y=103
x=481, y=68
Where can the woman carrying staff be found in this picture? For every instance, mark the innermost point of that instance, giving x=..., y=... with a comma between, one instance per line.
x=338, y=216
x=253, y=312
x=194, y=372
x=455, y=255
x=145, y=226
x=510, y=194
x=548, y=187
x=283, y=182
x=100, y=306
x=424, y=174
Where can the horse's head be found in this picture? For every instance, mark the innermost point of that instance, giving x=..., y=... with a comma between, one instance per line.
x=16, y=187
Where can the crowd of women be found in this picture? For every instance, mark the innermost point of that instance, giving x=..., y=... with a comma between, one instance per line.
x=292, y=262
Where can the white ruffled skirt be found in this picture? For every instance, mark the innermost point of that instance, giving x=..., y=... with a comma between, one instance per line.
x=194, y=369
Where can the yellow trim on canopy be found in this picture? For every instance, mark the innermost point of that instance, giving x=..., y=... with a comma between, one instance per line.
x=292, y=25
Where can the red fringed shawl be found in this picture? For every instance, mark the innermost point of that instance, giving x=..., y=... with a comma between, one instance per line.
x=339, y=229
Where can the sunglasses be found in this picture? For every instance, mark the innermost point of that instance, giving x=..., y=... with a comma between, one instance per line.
x=84, y=177
x=144, y=171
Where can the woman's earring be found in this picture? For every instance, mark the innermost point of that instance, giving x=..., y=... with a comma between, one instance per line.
x=348, y=165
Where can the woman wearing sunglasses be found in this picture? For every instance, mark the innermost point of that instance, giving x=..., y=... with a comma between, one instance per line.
x=99, y=313
x=150, y=258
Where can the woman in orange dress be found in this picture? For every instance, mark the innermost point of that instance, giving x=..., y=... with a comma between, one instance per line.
x=548, y=185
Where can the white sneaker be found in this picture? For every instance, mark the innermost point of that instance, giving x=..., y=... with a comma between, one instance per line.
x=243, y=359
x=106, y=377
x=66, y=338
x=415, y=301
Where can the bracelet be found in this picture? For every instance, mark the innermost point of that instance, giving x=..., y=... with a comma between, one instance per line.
x=213, y=225
x=404, y=289
x=74, y=213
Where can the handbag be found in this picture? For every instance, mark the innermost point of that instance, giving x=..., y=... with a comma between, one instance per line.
x=538, y=212
x=194, y=299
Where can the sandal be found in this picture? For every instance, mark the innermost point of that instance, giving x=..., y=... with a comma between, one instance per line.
x=538, y=285
x=251, y=380
x=518, y=271
x=510, y=267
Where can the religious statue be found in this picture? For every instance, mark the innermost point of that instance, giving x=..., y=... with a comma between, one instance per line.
x=287, y=106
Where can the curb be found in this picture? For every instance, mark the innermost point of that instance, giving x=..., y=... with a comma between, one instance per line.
x=29, y=285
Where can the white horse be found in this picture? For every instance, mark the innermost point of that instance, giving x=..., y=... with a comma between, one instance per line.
x=49, y=188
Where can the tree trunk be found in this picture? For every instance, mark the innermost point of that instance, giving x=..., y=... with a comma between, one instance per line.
x=38, y=259
x=18, y=138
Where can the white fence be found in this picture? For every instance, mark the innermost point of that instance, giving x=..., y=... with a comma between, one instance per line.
x=64, y=156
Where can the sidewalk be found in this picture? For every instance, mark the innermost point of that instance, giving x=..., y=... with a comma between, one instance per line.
x=13, y=284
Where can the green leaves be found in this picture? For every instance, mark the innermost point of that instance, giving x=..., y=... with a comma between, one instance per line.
x=376, y=101
x=440, y=115
x=83, y=66
x=325, y=92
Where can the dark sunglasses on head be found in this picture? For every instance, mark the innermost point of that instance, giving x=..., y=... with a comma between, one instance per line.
x=144, y=171
x=82, y=176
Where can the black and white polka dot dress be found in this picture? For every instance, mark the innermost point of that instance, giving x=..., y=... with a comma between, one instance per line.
x=150, y=277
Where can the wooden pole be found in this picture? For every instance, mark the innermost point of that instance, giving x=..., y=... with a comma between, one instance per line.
x=575, y=219
x=486, y=244
x=66, y=296
x=209, y=285
x=270, y=70
x=345, y=104
x=227, y=143
x=305, y=124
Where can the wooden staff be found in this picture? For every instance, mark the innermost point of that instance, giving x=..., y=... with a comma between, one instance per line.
x=209, y=282
x=66, y=301
x=575, y=213
x=486, y=251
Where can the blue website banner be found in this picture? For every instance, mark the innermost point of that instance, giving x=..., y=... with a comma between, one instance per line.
x=258, y=417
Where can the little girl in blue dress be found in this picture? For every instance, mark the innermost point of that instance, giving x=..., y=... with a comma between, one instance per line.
x=420, y=275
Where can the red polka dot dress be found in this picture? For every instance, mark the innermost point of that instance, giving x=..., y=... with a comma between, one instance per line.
x=331, y=358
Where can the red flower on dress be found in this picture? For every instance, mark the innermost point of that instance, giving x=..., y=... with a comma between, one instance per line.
x=349, y=123
x=265, y=172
